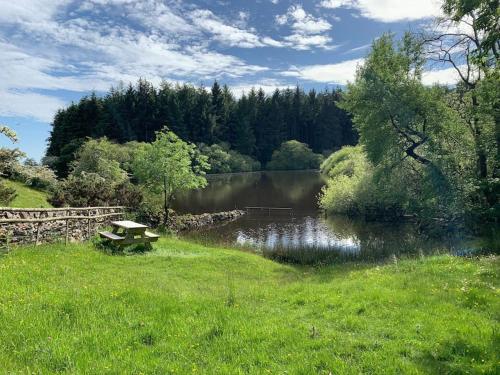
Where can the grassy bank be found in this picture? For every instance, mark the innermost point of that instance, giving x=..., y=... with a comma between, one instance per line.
x=186, y=308
x=27, y=197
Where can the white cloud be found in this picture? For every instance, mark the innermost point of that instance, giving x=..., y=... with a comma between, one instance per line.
x=302, y=22
x=339, y=73
x=345, y=71
x=29, y=10
x=267, y=85
x=357, y=49
x=308, y=31
x=29, y=104
x=306, y=42
x=447, y=76
x=223, y=33
x=389, y=10
x=78, y=52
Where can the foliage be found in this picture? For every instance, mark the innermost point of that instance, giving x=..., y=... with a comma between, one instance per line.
x=104, y=158
x=242, y=163
x=347, y=161
x=294, y=155
x=8, y=132
x=90, y=189
x=348, y=170
x=9, y=161
x=466, y=40
x=82, y=190
x=254, y=125
x=433, y=315
x=34, y=175
x=414, y=136
x=224, y=160
x=169, y=166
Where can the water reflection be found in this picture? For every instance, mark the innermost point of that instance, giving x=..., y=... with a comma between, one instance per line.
x=301, y=234
x=294, y=189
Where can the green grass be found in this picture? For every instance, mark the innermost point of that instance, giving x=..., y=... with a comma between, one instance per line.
x=27, y=197
x=185, y=309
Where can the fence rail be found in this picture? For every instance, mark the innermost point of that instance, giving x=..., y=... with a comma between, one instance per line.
x=37, y=225
x=58, y=218
x=16, y=209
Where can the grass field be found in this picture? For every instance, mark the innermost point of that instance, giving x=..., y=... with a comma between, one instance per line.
x=26, y=196
x=188, y=309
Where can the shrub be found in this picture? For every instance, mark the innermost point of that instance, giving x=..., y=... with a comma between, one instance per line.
x=218, y=158
x=349, y=160
x=293, y=155
x=90, y=189
x=224, y=160
x=129, y=195
x=35, y=175
x=355, y=188
x=9, y=161
x=242, y=163
x=83, y=190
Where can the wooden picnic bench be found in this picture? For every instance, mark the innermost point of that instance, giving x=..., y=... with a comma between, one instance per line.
x=128, y=233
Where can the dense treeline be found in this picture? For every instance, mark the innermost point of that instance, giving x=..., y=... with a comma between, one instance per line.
x=255, y=124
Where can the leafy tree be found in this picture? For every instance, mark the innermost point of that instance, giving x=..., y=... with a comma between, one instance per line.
x=467, y=39
x=294, y=155
x=217, y=157
x=8, y=132
x=169, y=166
x=102, y=157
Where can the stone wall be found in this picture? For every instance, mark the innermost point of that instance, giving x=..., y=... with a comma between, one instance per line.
x=30, y=226
x=191, y=222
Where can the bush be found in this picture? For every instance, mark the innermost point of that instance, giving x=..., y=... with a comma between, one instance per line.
x=90, y=189
x=293, y=155
x=349, y=160
x=224, y=160
x=35, y=175
x=242, y=163
x=354, y=188
x=218, y=158
x=9, y=161
x=83, y=190
x=129, y=195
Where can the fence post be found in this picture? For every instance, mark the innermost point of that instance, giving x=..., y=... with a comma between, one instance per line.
x=37, y=234
x=67, y=231
x=88, y=226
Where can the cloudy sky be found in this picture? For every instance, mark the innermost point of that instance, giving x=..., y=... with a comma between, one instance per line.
x=53, y=52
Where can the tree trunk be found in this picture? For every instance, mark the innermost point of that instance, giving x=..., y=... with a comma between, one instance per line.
x=482, y=162
x=165, y=202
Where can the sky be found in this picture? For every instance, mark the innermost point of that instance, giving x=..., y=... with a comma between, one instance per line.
x=53, y=52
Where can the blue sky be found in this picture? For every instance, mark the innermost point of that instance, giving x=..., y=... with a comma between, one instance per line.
x=56, y=51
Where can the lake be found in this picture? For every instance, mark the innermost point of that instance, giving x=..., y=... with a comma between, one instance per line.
x=283, y=221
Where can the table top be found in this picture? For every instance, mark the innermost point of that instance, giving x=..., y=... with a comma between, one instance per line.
x=127, y=224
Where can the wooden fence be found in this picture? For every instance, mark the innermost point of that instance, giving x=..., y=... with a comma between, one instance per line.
x=37, y=225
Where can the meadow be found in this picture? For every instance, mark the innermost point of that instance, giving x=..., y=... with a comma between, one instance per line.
x=186, y=308
x=27, y=197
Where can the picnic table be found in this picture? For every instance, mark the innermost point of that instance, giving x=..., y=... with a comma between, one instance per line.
x=128, y=232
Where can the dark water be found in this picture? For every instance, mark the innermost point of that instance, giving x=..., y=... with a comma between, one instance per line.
x=298, y=231
x=291, y=189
